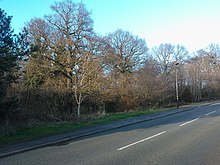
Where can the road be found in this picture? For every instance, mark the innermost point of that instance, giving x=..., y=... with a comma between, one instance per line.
x=191, y=137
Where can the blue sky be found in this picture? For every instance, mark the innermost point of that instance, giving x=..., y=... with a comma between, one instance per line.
x=192, y=23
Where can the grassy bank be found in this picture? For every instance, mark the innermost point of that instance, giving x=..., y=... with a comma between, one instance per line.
x=56, y=128
x=48, y=129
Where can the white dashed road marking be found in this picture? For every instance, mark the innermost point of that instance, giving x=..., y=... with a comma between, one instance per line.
x=210, y=113
x=188, y=122
x=140, y=141
x=148, y=138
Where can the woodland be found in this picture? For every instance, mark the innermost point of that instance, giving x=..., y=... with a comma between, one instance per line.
x=59, y=69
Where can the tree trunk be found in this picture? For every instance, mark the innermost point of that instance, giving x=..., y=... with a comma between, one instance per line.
x=78, y=110
x=79, y=101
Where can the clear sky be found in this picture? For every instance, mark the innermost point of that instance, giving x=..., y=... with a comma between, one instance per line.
x=192, y=23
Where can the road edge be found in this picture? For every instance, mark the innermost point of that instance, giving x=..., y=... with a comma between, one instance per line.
x=63, y=140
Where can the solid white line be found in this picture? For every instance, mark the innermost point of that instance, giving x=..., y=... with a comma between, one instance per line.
x=188, y=122
x=210, y=113
x=140, y=141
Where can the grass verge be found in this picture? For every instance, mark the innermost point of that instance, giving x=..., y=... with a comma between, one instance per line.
x=56, y=128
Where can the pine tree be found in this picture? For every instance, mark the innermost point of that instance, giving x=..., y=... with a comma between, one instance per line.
x=7, y=57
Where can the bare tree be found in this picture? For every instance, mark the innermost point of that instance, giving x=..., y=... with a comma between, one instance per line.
x=148, y=83
x=73, y=24
x=87, y=73
x=167, y=56
x=66, y=39
x=124, y=54
x=202, y=72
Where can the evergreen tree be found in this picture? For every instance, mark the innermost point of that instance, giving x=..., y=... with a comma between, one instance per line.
x=7, y=57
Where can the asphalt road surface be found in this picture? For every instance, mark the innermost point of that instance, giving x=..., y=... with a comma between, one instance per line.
x=191, y=137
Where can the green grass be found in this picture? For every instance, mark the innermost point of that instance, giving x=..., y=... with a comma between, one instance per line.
x=53, y=128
